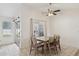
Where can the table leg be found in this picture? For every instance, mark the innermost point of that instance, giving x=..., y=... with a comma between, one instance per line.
x=49, y=48
x=45, y=48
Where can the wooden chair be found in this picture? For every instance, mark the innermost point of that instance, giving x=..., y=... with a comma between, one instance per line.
x=58, y=42
x=35, y=45
x=54, y=43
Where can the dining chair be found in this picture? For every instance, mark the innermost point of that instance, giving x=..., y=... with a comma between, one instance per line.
x=35, y=45
x=54, y=43
x=58, y=42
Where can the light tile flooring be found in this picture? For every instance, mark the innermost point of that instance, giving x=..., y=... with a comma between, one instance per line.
x=9, y=50
x=13, y=50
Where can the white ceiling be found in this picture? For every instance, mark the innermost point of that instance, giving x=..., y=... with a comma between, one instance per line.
x=62, y=6
x=8, y=9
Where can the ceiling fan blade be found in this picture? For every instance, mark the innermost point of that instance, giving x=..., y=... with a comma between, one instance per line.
x=56, y=11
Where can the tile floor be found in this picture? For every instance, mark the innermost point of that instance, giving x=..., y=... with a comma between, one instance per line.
x=65, y=51
x=9, y=50
x=13, y=50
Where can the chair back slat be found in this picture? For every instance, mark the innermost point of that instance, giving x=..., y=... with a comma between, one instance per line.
x=55, y=39
x=33, y=41
x=51, y=39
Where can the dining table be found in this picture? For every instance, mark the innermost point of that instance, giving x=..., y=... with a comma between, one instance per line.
x=45, y=41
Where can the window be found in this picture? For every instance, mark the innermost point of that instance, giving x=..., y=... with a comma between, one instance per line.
x=6, y=26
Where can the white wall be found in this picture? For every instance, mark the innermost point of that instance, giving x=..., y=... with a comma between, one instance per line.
x=67, y=25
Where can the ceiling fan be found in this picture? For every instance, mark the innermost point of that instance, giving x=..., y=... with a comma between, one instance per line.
x=51, y=12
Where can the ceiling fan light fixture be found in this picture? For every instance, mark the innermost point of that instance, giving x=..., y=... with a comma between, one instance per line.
x=50, y=14
x=50, y=11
